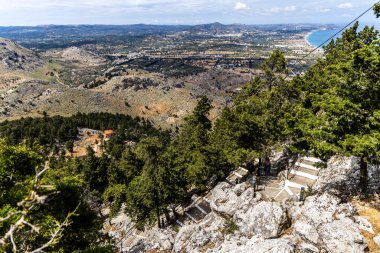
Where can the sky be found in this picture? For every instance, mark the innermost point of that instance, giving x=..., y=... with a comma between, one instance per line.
x=43, y=12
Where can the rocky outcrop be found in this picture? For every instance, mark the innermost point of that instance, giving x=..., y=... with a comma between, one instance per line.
x=376, y=239
x=341, y=236
x=342, y=174
x=76, y=54
x=255, y=244
x=136, y=83
x=324, y=222
x=227, y=200
x=161, y=240
x=193, y=238
x=16, y=57
x=265, y=219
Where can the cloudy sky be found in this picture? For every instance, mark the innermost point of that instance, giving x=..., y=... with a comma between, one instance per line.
x=37, y=12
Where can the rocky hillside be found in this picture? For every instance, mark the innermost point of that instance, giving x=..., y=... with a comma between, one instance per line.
x=79, y=55
x=329, y=220
x=16, y=57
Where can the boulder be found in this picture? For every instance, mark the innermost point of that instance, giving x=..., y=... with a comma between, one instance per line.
x=265, y=219
x=325, y=223
x=226, y=200
x=192, y=238
x=342, y=236
x=317, y=209
x=306, y=232
x=342, y=174
x=160, y=239
x=364, y=224
x=257, y=245
x=307, y=248
x=376, y=239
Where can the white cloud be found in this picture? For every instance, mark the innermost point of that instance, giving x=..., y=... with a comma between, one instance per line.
x=324, y=10
x=239, y=6
x=291, y=8
x=345, y=6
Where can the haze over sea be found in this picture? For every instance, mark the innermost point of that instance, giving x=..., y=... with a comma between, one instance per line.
x=318, y=37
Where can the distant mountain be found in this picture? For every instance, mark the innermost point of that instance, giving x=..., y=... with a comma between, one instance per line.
x=16, y=57
x=212, y=26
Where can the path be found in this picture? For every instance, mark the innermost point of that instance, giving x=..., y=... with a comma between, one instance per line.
x=303, y=174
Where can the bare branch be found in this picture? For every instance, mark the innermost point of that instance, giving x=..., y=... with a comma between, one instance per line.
x=39, y=174
x=14, y=247
x=11, y=231
x=34, y=228
x=56, y=233
x=9, y=216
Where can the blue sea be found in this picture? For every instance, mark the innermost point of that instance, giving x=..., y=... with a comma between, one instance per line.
x=318, y=37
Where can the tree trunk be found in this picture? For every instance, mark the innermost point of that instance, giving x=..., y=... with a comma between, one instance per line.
x=363, y=183
x=167, y=217
x=158, y=217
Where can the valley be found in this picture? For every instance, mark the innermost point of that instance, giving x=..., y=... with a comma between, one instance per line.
x=155, y=72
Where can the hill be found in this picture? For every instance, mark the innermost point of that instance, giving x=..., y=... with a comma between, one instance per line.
x=16, y=57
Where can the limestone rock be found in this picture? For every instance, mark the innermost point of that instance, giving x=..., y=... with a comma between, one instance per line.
x=257, y=245
x=318, y=209
x=342, y=236
x=342, y=176
x=192, y=238
x=364, y=224
x=307, y=248
x=227, y=200
x=306, y=232
x=265, y=219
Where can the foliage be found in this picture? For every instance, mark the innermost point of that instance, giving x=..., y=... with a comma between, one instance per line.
x=376, y=9
x=50, y=131
x=230, y=226
x=333, y=109
x=41, y=208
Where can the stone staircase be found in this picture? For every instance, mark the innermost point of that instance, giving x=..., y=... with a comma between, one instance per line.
x=200, y=207
x=303, y=174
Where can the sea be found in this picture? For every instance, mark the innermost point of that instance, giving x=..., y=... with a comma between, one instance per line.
x=316, y=38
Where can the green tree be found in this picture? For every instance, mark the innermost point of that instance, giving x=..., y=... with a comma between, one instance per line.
x=339, y=111
x=27, y=222
x=70, y=145
x=190, y=153
x=376, y=9
x=145, y=197
x=256, y=122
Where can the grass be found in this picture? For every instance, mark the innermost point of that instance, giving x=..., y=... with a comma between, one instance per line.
x=230, y=227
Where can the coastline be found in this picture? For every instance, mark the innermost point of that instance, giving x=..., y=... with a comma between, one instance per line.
x=306, y=38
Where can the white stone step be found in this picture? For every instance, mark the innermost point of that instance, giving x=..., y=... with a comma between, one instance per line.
x=190, y=217
x=288, y=191
x=282, y=195
x=295, y=185
x=312, y=159
x=237, y=174
x=243, y=169
x=303, y=174
x=180, y=223
x=201, y=209
x=307, y=166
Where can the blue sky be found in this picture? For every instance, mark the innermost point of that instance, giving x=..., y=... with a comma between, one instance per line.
x=38, y=12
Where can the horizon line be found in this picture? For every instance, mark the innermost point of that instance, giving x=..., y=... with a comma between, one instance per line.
x=169, y=24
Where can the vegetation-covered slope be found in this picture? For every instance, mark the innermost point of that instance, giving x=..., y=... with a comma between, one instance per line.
x=333, y=109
